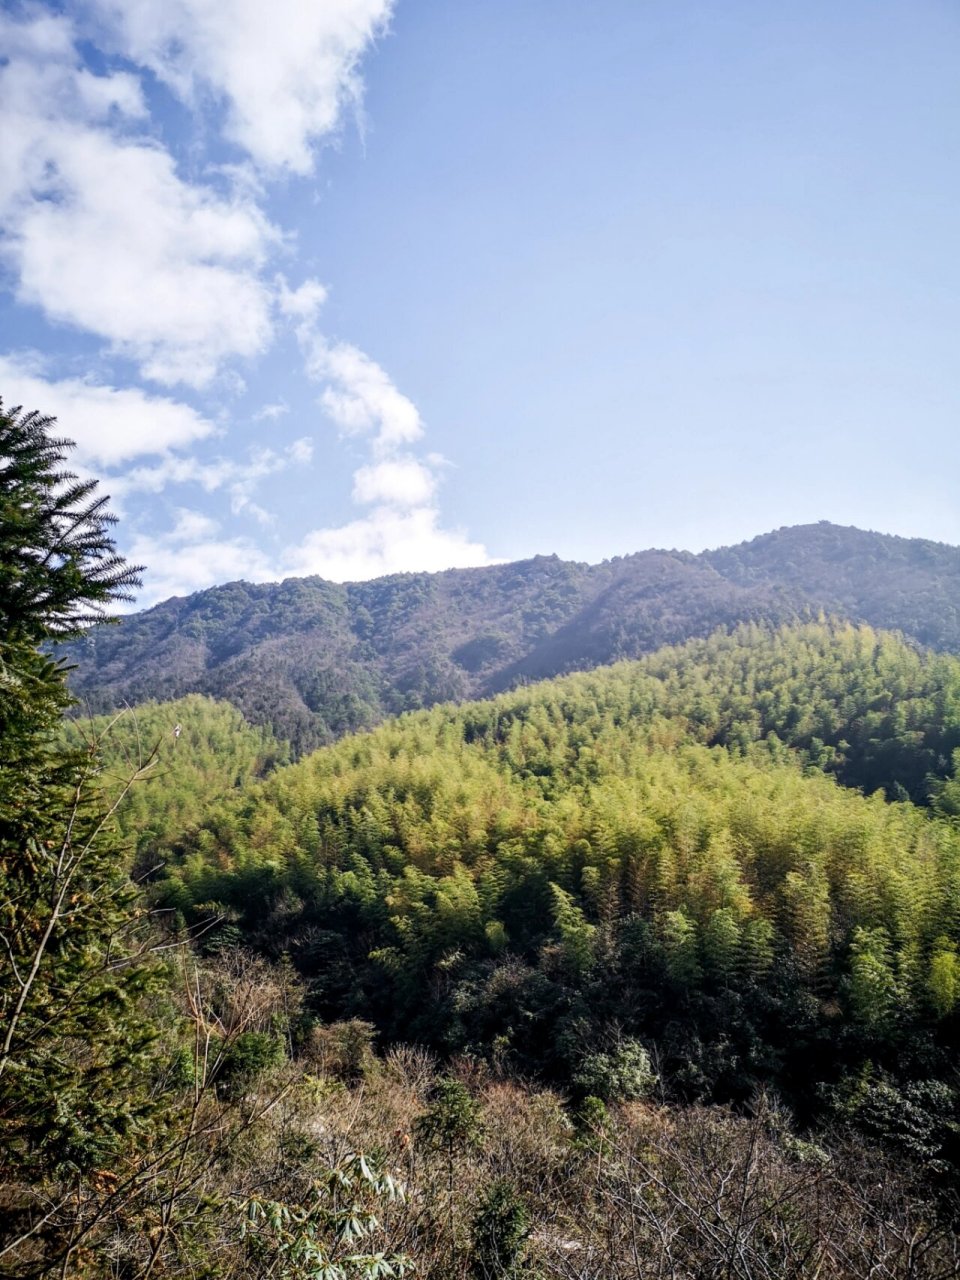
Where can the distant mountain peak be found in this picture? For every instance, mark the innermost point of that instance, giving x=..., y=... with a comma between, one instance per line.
x=314, y=659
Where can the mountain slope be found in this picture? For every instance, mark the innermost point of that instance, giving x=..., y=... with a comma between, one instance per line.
x=907, y=584
x=656, y=849
x=163, y=765
x=315, y=659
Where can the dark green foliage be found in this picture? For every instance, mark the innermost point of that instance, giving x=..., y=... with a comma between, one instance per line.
x=452, y=1119
x=315, y=660
x=344, y=1050
x=623, y=1073
x=500, y=1229
x=590, y=1119
x=903, y=584
x=75, y=1037
x=59, y=571
x=72, y=968
x=450, y=1126
x=250, y=1055
x=917, y=1120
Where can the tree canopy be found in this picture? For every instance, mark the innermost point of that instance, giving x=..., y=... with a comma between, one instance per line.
x=729, y=868
x=59, y=570
x=71, y=963
x=661, y=850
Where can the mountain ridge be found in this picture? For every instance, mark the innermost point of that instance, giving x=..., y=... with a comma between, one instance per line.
x=315, y=659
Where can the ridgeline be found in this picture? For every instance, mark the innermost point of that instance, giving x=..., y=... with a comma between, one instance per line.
x=313, y=659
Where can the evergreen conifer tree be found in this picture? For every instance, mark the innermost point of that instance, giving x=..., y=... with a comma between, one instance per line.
x=72, y=1033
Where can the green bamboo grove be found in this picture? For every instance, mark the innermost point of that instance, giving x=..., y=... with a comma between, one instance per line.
x=741, y=852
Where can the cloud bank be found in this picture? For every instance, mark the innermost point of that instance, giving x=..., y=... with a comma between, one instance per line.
x=160, y=253
x=109, y=425
x=100, y=231
x=283, y=72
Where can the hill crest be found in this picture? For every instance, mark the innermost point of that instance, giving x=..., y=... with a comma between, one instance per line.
x=315, y=659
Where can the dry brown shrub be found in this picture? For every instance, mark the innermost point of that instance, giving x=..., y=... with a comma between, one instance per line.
x=413, y=1067
x=528, y=1136
x=342, y=1050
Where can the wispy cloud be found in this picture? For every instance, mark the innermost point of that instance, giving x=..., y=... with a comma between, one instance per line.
x=271, y=412
x=238, y=478
x=360, y=397
x=110, y=425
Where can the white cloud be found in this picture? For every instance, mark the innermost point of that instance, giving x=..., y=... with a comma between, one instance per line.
x=192, y=526
x=303, y=303
x=45, y=36
x=191, y=556
x=359, y=396
x=401, y=482
x=285, y=69
x=101, y=232
x=271, y=412
x=403, y=533
x=238, y=478
x=387, y=541
x=110, y=425
x=301, y=451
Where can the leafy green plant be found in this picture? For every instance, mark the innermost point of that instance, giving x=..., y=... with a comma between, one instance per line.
x=452, y=1118
x=249, y=1055
x=322, y=1237
x=622, y=1074
x=451, y=1124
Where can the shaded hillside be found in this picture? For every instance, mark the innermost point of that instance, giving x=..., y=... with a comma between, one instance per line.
x=907, y=584
x=316, y=659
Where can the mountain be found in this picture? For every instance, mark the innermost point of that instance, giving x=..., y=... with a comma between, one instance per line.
x=315, y=659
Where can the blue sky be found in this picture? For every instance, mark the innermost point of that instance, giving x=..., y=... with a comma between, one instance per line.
x=353, y=287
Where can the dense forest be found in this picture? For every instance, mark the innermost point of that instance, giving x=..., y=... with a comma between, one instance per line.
x=676, y=851
x=646, y=971
x=316, y=659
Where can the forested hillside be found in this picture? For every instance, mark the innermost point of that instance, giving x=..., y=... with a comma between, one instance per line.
x=646, y=971
x=171, y=761
x=674, y=854
x=315, y=659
